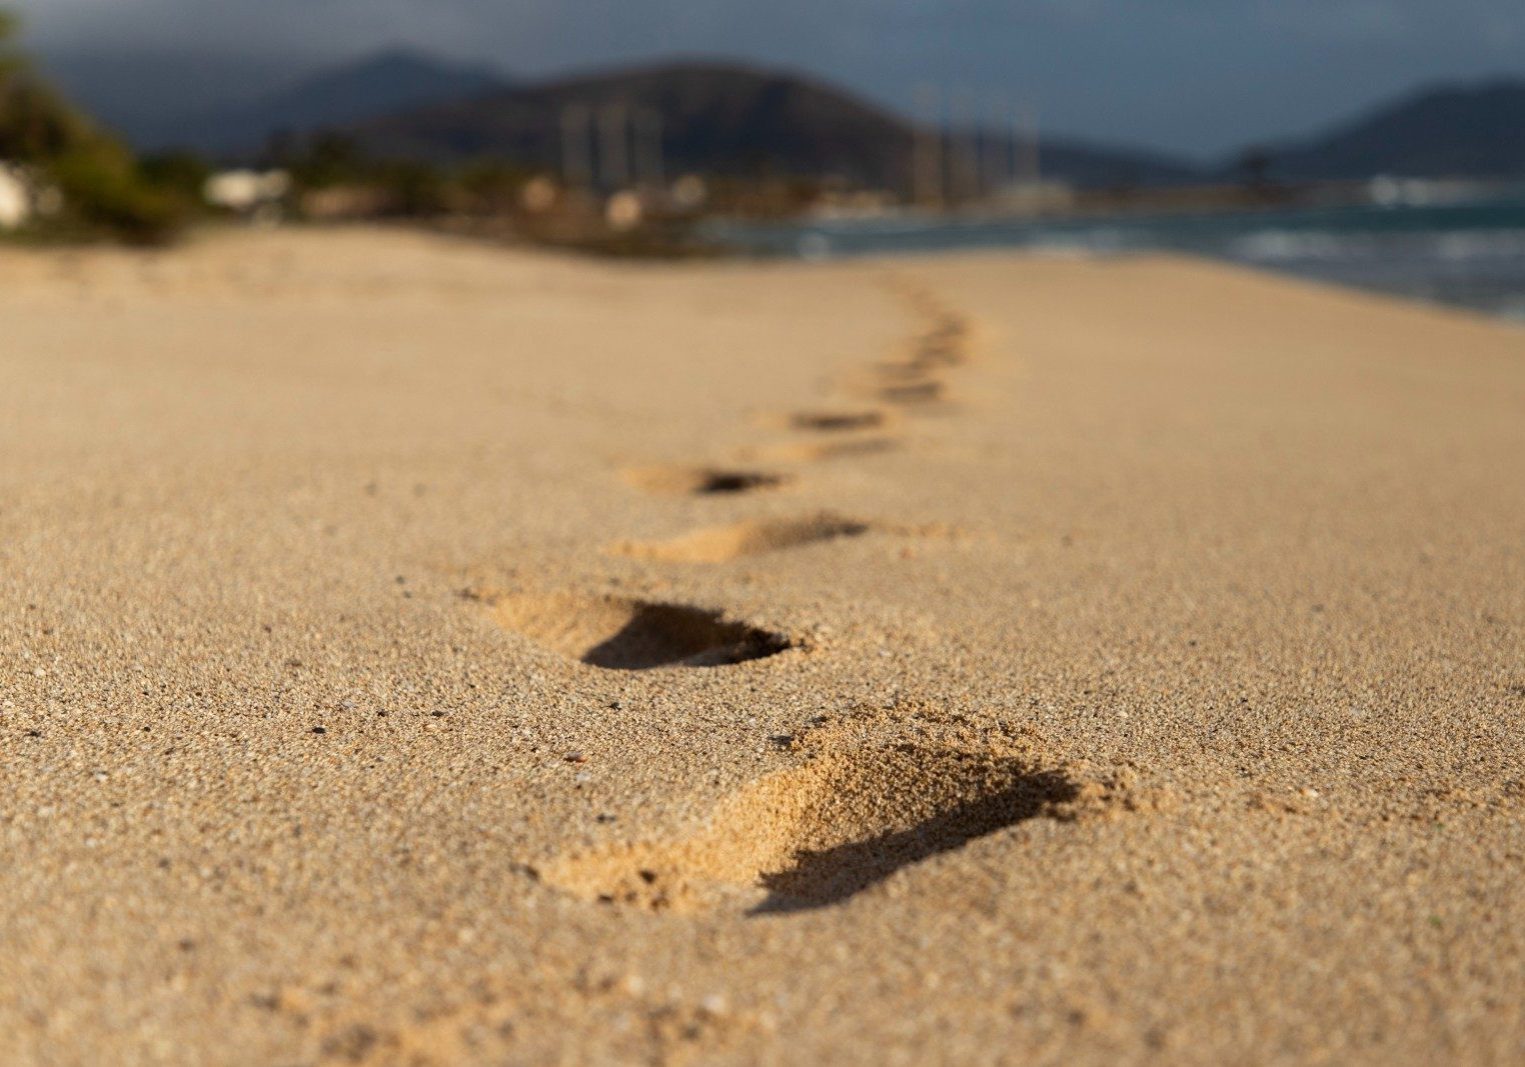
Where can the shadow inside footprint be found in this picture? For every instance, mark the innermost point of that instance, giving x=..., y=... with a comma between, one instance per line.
x=622, y=634
x=735, y=481
x=660, y=634
x=836, y=421
x=701, y=481
x=829, y=876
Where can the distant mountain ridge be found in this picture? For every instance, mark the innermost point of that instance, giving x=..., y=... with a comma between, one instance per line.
x=1451, y=131
x=150, y=96
x=227, y=106
x=721, y=118
x=389, y=81
x=718, y=116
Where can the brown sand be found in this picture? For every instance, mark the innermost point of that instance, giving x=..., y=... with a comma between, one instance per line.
x=1166, y=706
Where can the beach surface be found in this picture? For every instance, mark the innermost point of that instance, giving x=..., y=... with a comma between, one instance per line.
x=416, y=652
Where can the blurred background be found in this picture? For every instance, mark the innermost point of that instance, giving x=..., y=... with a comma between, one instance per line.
x=1379, y=143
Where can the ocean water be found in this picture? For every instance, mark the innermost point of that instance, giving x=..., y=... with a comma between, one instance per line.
x=1467, y=253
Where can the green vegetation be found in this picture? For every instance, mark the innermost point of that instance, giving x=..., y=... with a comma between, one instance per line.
x=395, y=188
x=184, y=174
x=99, y=187
x=87, y=185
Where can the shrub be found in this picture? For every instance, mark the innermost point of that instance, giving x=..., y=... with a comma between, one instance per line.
x=104, y=192
x=102, y=187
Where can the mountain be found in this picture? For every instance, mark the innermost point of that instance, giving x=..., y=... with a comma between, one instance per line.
x=714, y=116
x=147, y=96
x=717, y=117
x=1454, y=131
x=375, y=85
x=239, y=105
x=720, y=118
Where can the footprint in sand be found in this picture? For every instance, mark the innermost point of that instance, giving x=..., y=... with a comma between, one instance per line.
x=917, y=379
x=944, y=343
x=840, y=432
x=719, y=544
x=701, y=481
x=850, y=817
x=817, y=451
x=911, y=389
x=821, y=833
x=900, y=382
x=838, y=421
x=620, y=633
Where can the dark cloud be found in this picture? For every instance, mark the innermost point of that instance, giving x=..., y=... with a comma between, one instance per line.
x=1195, y=75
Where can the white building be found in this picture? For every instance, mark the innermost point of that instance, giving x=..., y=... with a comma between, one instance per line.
x=15, y=199
x=246, y=191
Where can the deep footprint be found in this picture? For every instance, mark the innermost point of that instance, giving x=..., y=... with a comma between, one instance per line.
x=702, y=481
x=622, y=634
x=820, y=834
x=837, y=421
x=718, y=544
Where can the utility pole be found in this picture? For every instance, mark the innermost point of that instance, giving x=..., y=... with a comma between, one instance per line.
x=1013, y=121
x=927, y=149
x=651, y=166
x=963, y=149
x=1030, y=154
x=997, y=160
x=976, y=148
x=576, y=161
x=614, y=154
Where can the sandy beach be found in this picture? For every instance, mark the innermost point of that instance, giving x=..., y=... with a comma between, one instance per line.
x=414, y=652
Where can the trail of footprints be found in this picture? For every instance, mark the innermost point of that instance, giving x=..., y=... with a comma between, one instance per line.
x=857, y=810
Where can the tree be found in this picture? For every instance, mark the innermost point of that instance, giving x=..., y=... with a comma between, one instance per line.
x=102, y=188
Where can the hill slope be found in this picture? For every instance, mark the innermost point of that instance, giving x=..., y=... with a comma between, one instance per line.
x=1473, y=131
x=142, y=94
x=377, y=84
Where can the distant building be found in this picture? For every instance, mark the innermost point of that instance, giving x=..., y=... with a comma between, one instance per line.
x=340, y=203
x=689, y=192
x=247, y=192
x=538, y=195
x=624, y=210
x=15, y=199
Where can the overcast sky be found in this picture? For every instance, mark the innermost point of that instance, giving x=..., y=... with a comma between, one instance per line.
x=1198, y=76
